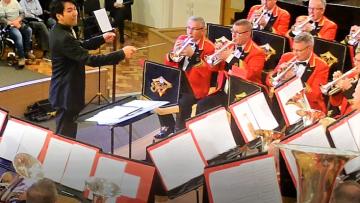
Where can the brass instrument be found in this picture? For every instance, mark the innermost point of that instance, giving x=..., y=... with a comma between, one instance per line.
x=268, y=137
x=27, y=166
x=325, y=88
x=275, y=81
x=318, y=168
x=102, y=189
x=352, y=37
x=176, y=53
x=214, y=58
x=256, y=21
x=298, y=28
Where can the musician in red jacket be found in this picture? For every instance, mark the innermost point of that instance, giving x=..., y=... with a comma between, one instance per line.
x=269, y=17
x=312, y=70
x=195, y=84
x=243, y=59
x=342, y=95
x=315, y=23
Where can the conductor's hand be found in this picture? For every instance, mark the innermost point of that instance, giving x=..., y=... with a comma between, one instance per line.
x=129, y=51
x=109, y=37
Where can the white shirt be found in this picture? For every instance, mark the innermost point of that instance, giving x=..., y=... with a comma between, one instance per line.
x=32, y=8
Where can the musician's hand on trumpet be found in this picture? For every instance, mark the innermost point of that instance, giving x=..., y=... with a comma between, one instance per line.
x=343, y=84
x=257, y=19
x=289, y=73
x=302, y=24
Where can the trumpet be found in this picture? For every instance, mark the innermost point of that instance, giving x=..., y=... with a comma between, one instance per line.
x=214, y=58
x=352, y=37
x=256, y=21
x=275, y=81
x=175, y=54
x=298, y=28
x=325, y=88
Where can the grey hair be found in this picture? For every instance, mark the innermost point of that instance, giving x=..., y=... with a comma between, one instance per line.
x=323, y=3
x=243, y=22
x=304, y=37
x=198, y=19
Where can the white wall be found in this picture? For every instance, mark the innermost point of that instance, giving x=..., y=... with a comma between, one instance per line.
x=174, y=13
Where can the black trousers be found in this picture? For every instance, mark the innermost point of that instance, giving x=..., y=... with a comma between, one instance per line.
x=185, y=106
x=65, y=123
x=217, y=99
x=119, y=18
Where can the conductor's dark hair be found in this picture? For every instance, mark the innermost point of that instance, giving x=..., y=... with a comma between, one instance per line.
x=57, y=7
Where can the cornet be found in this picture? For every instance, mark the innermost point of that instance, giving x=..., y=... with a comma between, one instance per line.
x=175, y=54
x=256, y=21
x=325, y=88
x=298, y=28
x=352, y=37
x=214, y=58
x=275, y=81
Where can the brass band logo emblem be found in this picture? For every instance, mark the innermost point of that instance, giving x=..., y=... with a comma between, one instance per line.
x=329, y=58
x=160, y=85
x=269, y=51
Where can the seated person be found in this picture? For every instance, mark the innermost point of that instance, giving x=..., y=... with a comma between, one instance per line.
x=272, y=18
x=345, y=87
x=33, y=11
x=120, y=13
x=195, y=83
x=43, y=191
x=312, y=70
x=356, y=96
x=12, y=14
x=315, y=23
x=352, y=40
x=244, y=59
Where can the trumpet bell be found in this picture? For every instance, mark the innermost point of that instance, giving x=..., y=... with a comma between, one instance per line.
x=28, y=166
x=268, y=137
x=102, y=188
x=317, y=169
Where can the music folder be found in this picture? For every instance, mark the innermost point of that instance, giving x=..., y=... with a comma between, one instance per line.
x=345, y=134
x=253, y=179
x=3, y=120
x=286, y=94
x=253, y=113
x=135, y=178
x=313, y=135
x=161, y=82
x=212, y=133
x=22, y=137
x=179, y=163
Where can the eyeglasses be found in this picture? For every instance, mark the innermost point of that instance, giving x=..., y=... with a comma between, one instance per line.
x=300, y=50
x=194, y=28
x=238, y=33
x=317, y=9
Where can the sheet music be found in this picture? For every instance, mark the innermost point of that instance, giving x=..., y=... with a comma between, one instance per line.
x=213, y=134
x=254, y=181
x=113, y=114
x=246, y=119
x=11, y=139
x=145, y=103
x=103, y=20
x=130, y=185
x=343, y=138
x=56, y=158
x=354, y=123
x=315, y=137
x=2, y=118
x=287, y=93
x=179, y=156
x=32, y=140
x=75, y=173
x=260, y=108
x=112, y=170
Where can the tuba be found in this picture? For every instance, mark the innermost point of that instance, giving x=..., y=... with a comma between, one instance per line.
x=331, y=85
x=318, y=168
x=176, y=53
x=224, y=43
x=298, y=28
x=275, y=81
x=102, y=189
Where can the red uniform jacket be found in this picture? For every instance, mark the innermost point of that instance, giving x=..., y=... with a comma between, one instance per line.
x=199, y=74
x=279, y=20
x=319, y=76
x=342, y=102
x=327, y=29
x=252, y=65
